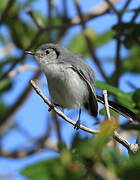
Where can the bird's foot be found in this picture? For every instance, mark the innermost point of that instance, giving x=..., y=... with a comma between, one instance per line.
x=51, y=107
x=77, y=125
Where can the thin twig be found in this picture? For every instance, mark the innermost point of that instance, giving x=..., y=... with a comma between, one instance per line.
x=99, y=10
x=41, y=144
x=21, y=69
x=132, y=148
x=109, y=116
x=106, y=104
x=121, y=140
x=49, y=18
x=135, y=15
x=118, y=62
x=13, y=65
x=112, y=6
x=65, y=10
x=35, y=20
x=126, y=4
x=132, y=85
x=33, y=41
x=117, y=72
x=57, y=126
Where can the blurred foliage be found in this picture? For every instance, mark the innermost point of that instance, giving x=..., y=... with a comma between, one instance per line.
x=5, y=85
x=2, y=5
x=78, y=162
x=136, y=98
x=130, y=33
x=97, y=39
x=85, y=158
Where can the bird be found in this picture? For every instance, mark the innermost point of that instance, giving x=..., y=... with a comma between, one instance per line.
x=71, y=82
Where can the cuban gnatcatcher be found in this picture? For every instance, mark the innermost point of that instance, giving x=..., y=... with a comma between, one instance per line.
x=71, y=81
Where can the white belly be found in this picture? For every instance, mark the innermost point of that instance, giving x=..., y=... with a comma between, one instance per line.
x=66, y=88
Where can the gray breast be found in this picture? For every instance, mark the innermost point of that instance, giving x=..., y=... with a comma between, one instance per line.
x=66, y=87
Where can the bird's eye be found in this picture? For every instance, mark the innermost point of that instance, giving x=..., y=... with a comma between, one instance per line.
x=47, y=52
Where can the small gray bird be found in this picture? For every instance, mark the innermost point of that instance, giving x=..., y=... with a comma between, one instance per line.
x=71, y=81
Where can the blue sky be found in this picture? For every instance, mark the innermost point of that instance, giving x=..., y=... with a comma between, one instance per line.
x=32, y=115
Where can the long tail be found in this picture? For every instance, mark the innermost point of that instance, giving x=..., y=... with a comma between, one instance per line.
x=119, y=109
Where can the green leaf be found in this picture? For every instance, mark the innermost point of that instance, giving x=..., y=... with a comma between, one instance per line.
x=56, y=169
x=76, y=139
x=136, y=96
x=20, y=38
x=112, y=113
x=131, y=65
x=113, y=160
x=130, y=31
x=3, y=5
x=3, y=109
x=45, y=170
x=110, y=88
x=130, y=169
x=101, y=39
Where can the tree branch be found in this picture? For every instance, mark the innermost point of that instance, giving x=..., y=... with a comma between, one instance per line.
x=96, y=11
x=21, y=69
x=41, y=144
x=132, y=148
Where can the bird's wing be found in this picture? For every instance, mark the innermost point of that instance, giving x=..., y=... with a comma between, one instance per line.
x=92, y=105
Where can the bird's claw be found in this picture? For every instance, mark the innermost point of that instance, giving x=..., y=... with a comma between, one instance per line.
x=51, y=107
x=77, y=125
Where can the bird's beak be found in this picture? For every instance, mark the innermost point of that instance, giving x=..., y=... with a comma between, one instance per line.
x=30, y=52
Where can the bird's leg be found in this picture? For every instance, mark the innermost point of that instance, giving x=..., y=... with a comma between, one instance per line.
x=77, y=125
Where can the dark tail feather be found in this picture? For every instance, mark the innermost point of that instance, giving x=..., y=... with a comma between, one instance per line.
x=92, y=105
x=119, y=109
